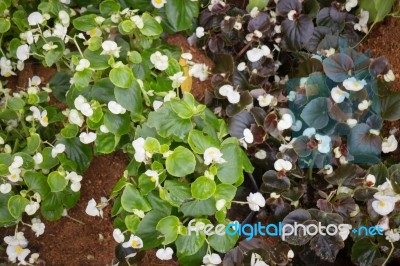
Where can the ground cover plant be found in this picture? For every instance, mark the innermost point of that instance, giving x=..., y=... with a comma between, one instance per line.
x=295, y=130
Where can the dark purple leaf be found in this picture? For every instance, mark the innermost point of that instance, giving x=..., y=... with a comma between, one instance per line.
x=261, y=22
x=216, y=44
x=324, y=205
x=274, y=183
x=285, y=6
x=338, y=66
x=259, y=115
x=375, y=122
x=271, y=124
x=258, y=134
x=379, y=66
x=227, y=25
x=327, y=247
x=318, y=35
x=345, y=206
x=238, y=123
x=298, y=32
x=361, y=141
x=344, y=175
x=245, y=100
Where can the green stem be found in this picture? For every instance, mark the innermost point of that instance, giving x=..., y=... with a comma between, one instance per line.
x=16, y=144
x=390, y=254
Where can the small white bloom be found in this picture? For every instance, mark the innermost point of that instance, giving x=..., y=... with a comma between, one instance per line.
x=248, y=136
x=364, y=105
x=83, y=64
x=212, y=259
x=16, y=247
x=23, y=52
x=213, y=155
x=389, y=77
x=278, y=28
x=290, y=254
x=59, y=148
x=285, y=122
x=256, y=54
x=241, y=66
x=232, y=95
x=177, y=79
x=157, y=105
x=5, y=188
x=14, y=175
x=75, y=118
x=392, y=236
x=116, y=108
x=265, y=100
x=384, y=205
x=164, y=253
x=154, y=176
x=158, y=3
x=138, y=21
x=133, y=242
x=87, y=138
x=351, y=122
x=187, y=56
x=237, y=25
x=338, y=95
x=384, y=223
x=34, y=81
x=350, y=4
x=170, y=95
x=255, y=201
x=324, y=143
x=17, y=162
x=32, y=207
x=35, y=18
x=370, y=179
x=352, y=84
x=254, y=12
x=389, y=144
x=64, y=17
x=118, y=235
x=261, y=155
x=199, y=71
x=91, y=208
x=104, y=129
x=159, y=61
x=37, y=227
x=291, y=14
x=275, y=195
x=199, y=32
x=110, y=48
x=282, y=165
x=362, y=24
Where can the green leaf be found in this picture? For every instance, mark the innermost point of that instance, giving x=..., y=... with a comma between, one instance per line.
x=150, y=26
x=180, y=13
x=126, y=27
x=15, y=104
x=28, y=160
x=316, y=113
x=225, y=191
x=96, y=59
x=168, y=123
x=132, y=222
x=70, y=131
x=364, y=252
x=383, y=7
x=82, y=78
x=78, y=152
x=175, y=192
x=190, y=244
x=199, y=142
x=121, y=76
x=48, y=161
x=59, y=85
x=390, y=107
x=52, y=56
x=52, y=207
x=6, y=219
x=232, y=170
x=109, y=7
x=182, y=109
x=85, y=22
x=56, y=181
x=198, y=208
x=37, y=182
x=203, y=188
x=33, y=143
x=4, y=25
x=130, y=98
x=132, y=199
x=169, y=227
x=105, y=143
x=16, y=206
x=147, y=229
x=117, y=124
x=260, y=4
x=380, y=172
x=181, y=162
x=223, y=243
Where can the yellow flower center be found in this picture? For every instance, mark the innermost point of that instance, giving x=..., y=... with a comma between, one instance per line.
x=153, y=179
x=92, y=31
x=18, y=249
x=158, y=1
x=134, y=243
x=45, y=119
x=7, y=74
x=357, y=85
x=382, y=204
x=14, y=176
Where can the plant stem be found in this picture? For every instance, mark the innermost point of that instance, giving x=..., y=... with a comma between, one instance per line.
x=390, y=254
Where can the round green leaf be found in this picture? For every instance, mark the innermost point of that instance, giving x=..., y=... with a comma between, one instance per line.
x=33, y=143
x=150, y=26
x=169, y=227
x=199, y=142
x=4, y=25
x=203, y=188
x=56, y=181
x=181, y=162
x=15, y=103
x=16, y=206
x=132, y=199
x=121, y=76
x=315, y=114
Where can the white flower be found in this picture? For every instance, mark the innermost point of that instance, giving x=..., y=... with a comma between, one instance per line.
x=291, y=14
x=6, y=67
x=255, y=201
x=5, y=188
x=199, y=71
x=35, y=18
x=14, y=175
x=285, y=122
x=248, y=136
x=94, y=32
x=165, y=253
x=33, y=258
x=59, y=148
x=60, y=31
x=232, y=95
x=177, y=79
x=141, y=155
x=370, y=180
x=213, y=155
x=87, y=138
x=389, y=144
x=261, y=155
x=242, y=66
x=384, y=223
x=82, y=105
x=116, y=108
x=324, y=143
x=157, y=105
x=66, y=2
x=133, y=242
x=94, y=209
x=212, y=259
x=392, y=236
x=17, y=162
x=34, y=81
x=363, y=105
x=275, y=195
x=389, y=77
x=254, y=12
x=74, y=117
x=338, y=95
x=384, y=205
x=64, y=17
x=118, y=235
x=352, y=84
x=256, y=54
x=159, y=61
x=237, y=26
x=290, y=254
x=158, y=3
x=110, y=48
x=351, y=122
x=42, y=117
x=37, y=227
x=169, y=96
x=32, y=207
x=374, y=131
x=282, y=165
x=16, y=247
x=350, y=4
x=265, y=100
x=75, y=181
x=362, y=24
x=138, y=21
x=23, y=52
x=199, y=32
x=83, y=64
x=153, y=176
x=104, y=129
x=344, y=231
